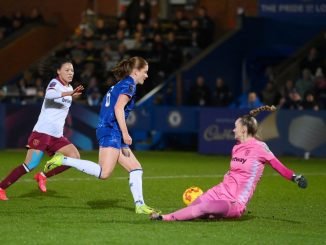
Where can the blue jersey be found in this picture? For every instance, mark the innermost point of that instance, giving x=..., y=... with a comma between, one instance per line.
x=107, y=119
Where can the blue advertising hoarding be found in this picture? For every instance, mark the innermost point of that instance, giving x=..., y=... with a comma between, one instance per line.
x=216, y=129
x=176, y=119
x=304, y=11
x=286, y=132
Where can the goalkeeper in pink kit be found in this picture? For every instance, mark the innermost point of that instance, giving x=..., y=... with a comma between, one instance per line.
x=230, y=198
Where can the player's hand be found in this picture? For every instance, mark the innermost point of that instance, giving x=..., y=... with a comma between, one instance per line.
x=78, y=90
x=127, y=139
x=300, y=180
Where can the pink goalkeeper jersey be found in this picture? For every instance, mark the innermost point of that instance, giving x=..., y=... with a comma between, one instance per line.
x=247, y=166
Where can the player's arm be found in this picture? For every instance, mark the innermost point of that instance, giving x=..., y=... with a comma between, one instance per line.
x=288, y=173
x=75, y=93
x=53, y=93
x=119, y=112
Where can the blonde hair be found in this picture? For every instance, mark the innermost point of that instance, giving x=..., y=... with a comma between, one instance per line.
x=256, y=111
x=250, y=121
x=125, y=67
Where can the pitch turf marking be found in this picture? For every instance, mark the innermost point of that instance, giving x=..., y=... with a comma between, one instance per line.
x=86, y=178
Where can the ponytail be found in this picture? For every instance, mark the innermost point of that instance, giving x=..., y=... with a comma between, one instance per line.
x=250, y=121
x=122, y=69
x=256, y=111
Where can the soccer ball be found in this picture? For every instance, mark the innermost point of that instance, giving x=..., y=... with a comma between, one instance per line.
x=191, y=194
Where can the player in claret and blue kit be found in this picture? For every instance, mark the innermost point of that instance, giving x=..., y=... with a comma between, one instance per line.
x=47, y=135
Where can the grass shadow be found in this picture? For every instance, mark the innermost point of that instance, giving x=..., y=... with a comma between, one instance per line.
x=109, y=203
x=39, y=194
x=247, y=217
x=279, y=219
x=145, y=221
x=242, y=219
x=61, y=207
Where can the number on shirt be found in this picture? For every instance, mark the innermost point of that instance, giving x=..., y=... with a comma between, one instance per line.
x=108, y=97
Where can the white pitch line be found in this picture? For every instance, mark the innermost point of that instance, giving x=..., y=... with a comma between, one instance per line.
x=158, y=177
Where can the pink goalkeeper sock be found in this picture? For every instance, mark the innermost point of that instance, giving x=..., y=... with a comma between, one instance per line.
x=218, y=209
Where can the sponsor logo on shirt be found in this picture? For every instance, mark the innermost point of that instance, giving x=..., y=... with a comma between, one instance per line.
x=241, y=160
x=131, y=89
x=66, y=101
x=36, y=142
x=52, y=85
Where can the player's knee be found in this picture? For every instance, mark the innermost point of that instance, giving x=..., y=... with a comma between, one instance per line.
x=77, y=155
x=74, y=155
x=105, y=174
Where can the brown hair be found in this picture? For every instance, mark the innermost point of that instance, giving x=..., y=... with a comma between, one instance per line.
x=125, y=67
x=250, y=121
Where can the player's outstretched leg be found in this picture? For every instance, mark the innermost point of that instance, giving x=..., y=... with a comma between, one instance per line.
x=216, y=208
x=54, y=162
x=144, y=209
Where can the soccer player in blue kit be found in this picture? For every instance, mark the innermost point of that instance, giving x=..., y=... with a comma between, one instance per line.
x=112, y=133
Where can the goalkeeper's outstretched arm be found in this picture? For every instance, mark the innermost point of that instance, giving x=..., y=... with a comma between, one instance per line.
x=288, y=173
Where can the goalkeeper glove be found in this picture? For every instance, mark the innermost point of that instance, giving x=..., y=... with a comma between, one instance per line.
x=300, y=180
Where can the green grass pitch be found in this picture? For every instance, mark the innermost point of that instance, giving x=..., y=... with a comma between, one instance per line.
x=79, y=209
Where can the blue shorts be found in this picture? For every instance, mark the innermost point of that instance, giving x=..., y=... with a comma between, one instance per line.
x=110, y=138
